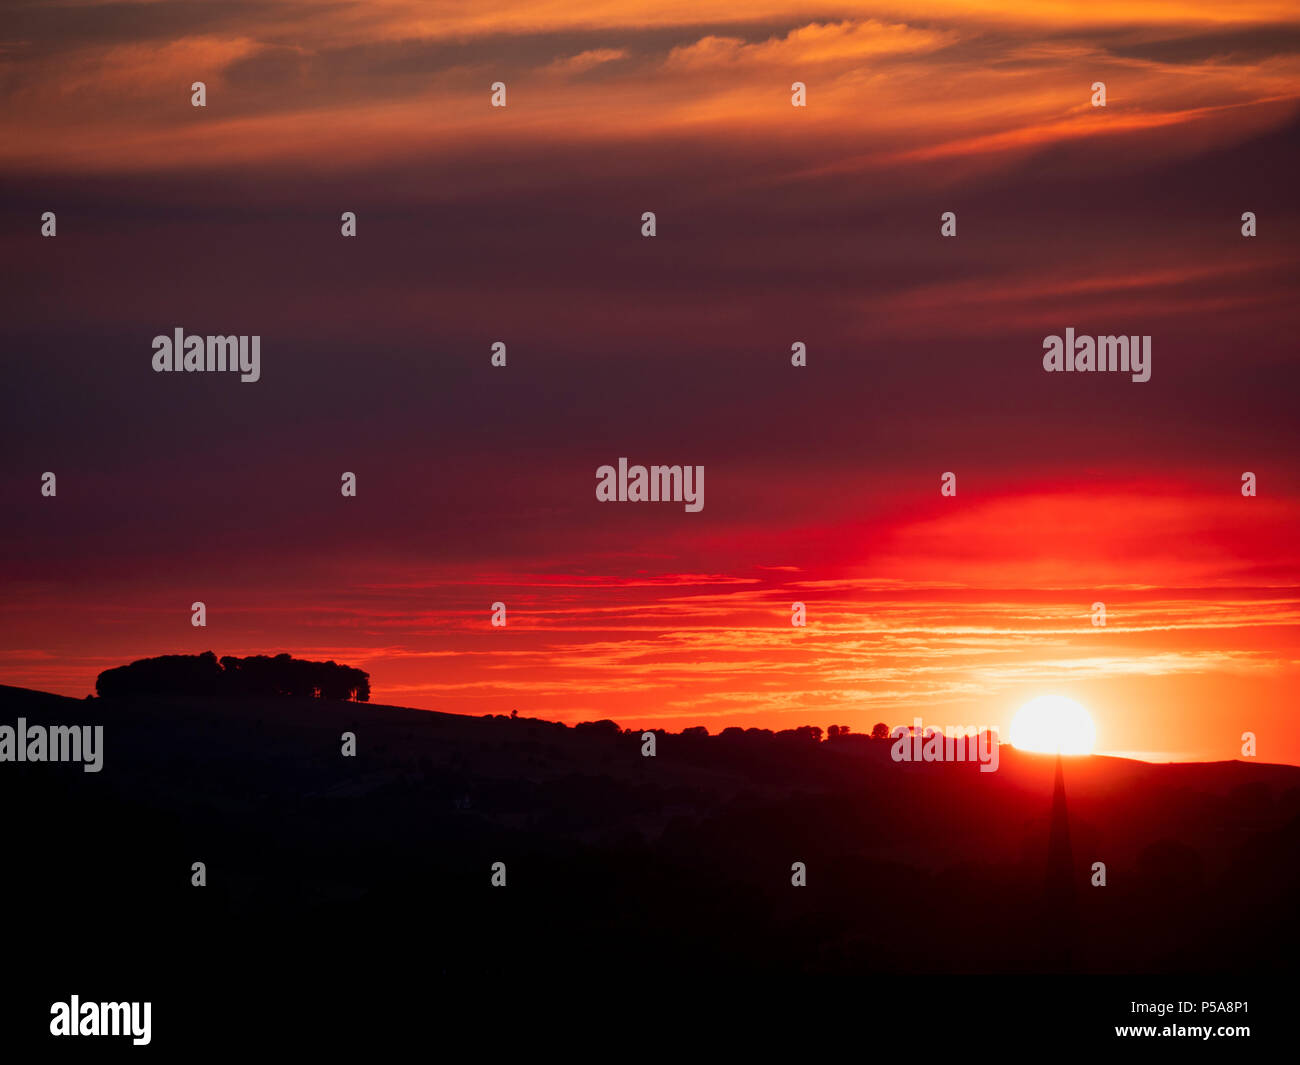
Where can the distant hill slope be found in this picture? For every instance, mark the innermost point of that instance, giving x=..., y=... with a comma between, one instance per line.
x=689, y=851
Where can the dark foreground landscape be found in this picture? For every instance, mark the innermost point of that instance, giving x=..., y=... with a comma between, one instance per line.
x=331, y=877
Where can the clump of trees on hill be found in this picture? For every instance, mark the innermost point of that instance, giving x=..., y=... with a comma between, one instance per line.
x=256, y=675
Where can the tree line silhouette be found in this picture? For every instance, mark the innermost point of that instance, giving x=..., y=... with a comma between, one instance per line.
x=254, y=676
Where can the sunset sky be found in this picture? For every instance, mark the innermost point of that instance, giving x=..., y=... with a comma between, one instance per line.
x=775, y=224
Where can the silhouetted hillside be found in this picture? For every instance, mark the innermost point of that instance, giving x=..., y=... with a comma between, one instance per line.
x=910, y=867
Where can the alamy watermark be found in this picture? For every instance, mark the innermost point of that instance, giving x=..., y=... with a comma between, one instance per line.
x=55, y=743
x=961, y=743
x=654, y=484
x=102, y=1018
x=195, y=354
x=1110, y=354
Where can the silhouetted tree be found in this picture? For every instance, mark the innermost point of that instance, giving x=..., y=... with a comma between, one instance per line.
x=880, y=731
x=254, y=676
x=165, y=675
x=803, y=733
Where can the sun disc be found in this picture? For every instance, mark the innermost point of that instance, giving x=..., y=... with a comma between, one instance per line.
x=1053, y=724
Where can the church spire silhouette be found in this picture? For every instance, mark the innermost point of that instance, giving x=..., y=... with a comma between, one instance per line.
x=1060, y=898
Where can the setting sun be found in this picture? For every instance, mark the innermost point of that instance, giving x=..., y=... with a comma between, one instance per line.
x=1053, y=724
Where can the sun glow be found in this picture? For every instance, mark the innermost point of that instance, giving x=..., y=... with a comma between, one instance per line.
x=1053, y=724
